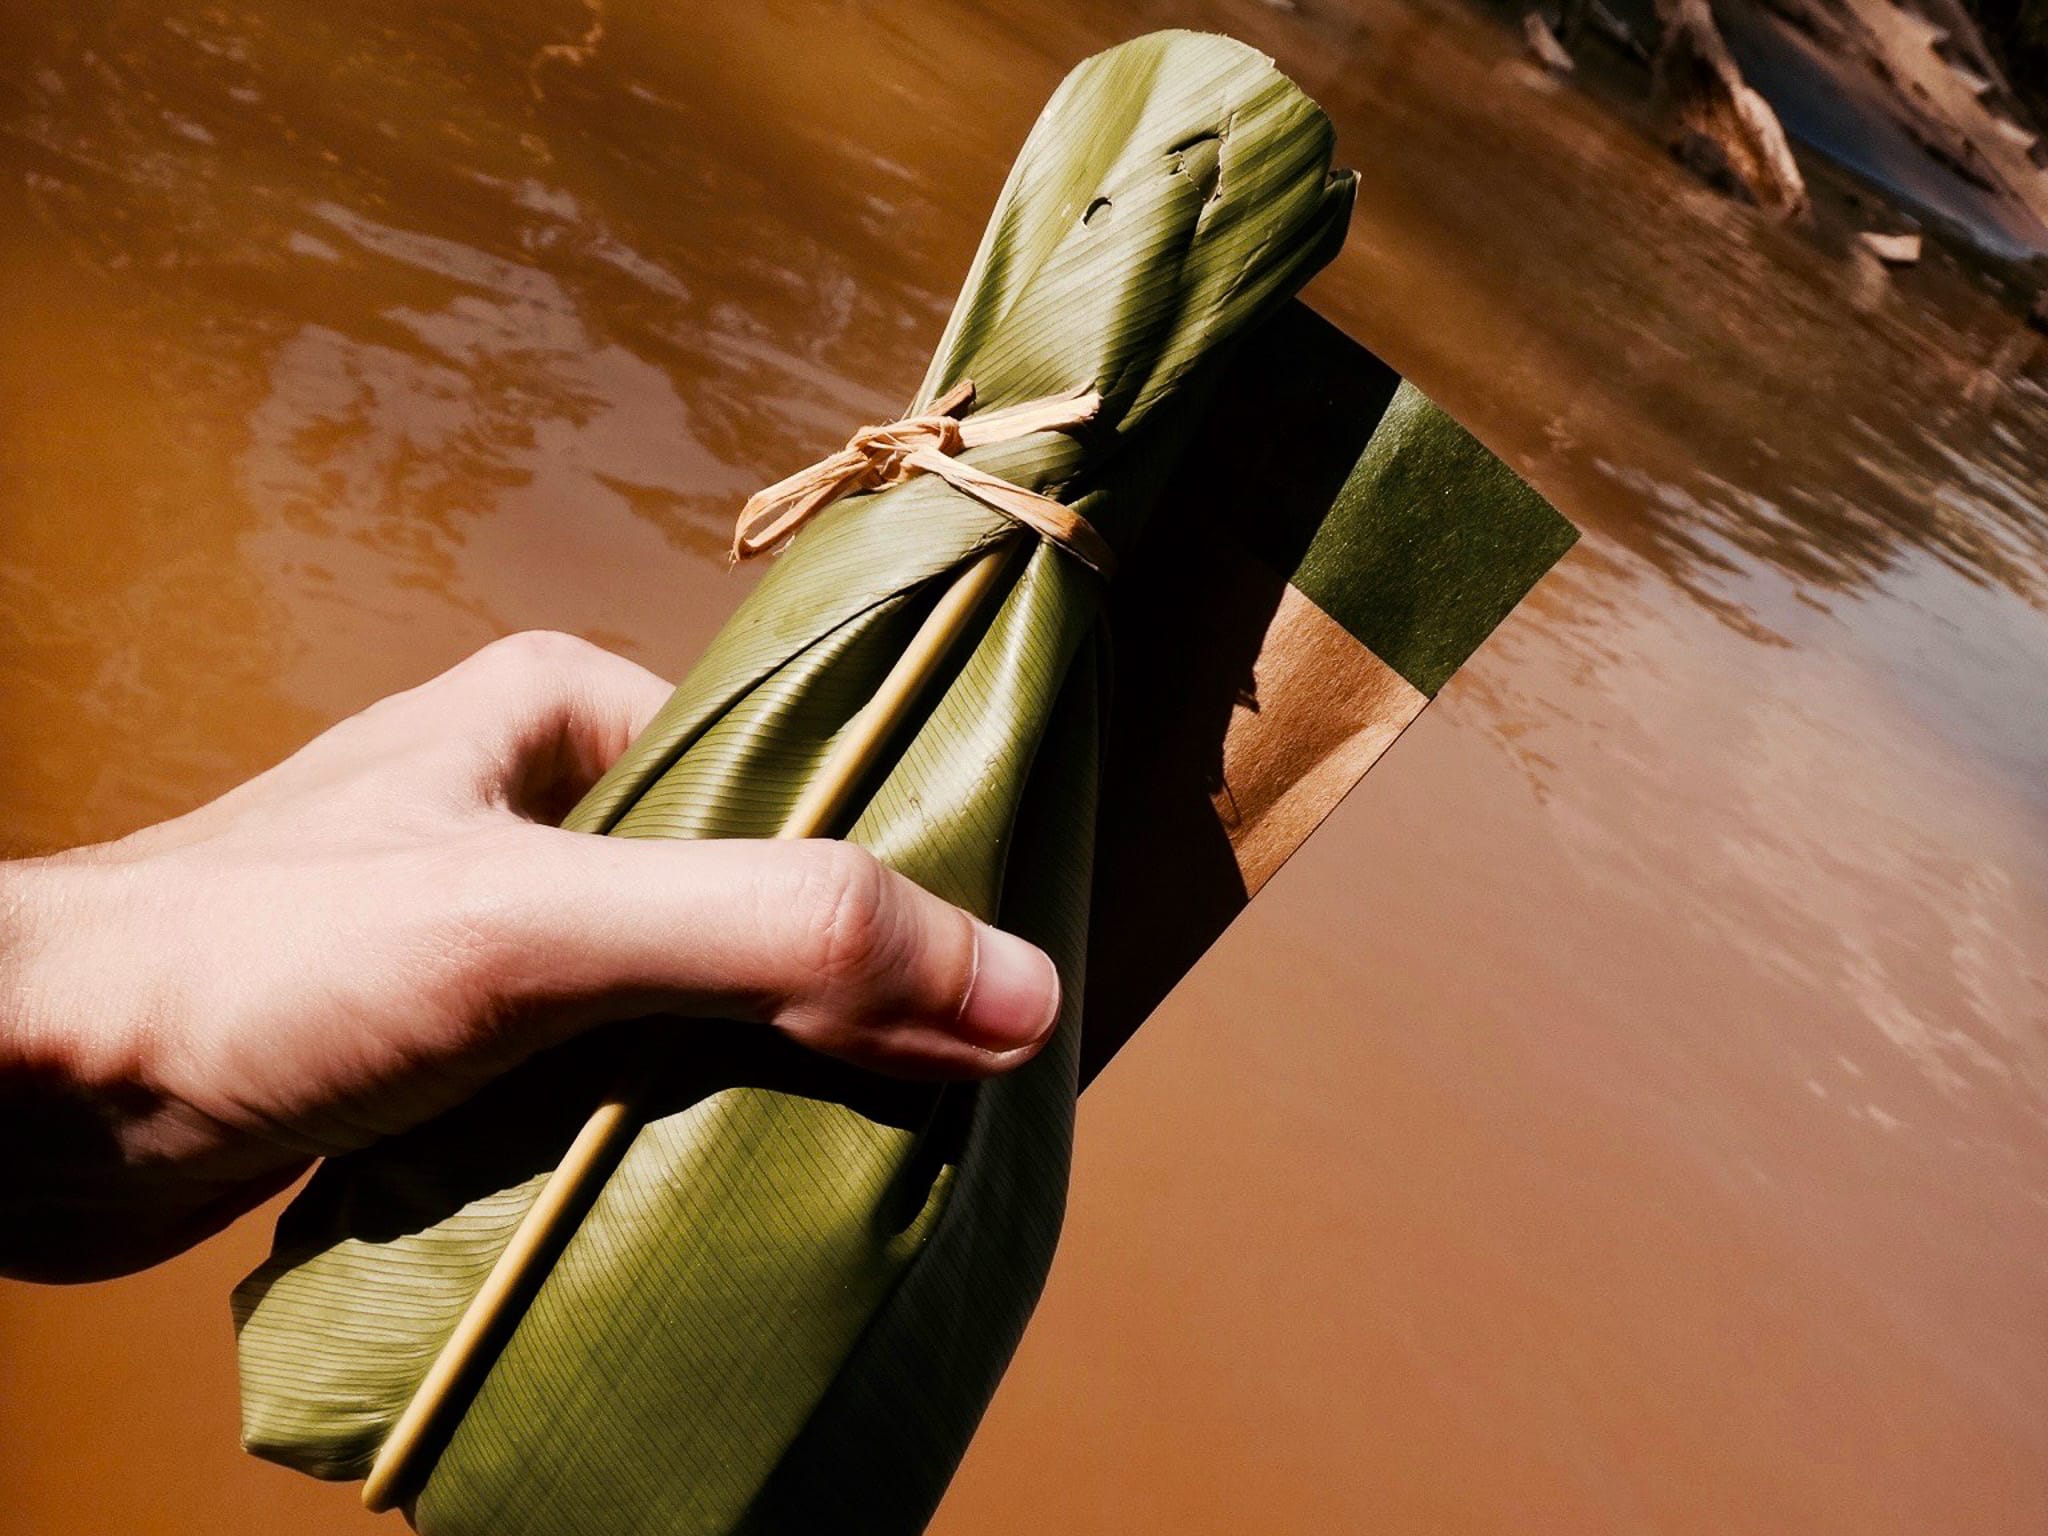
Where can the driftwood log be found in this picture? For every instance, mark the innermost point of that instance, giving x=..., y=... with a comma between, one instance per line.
x=1722, y=128
x=1543, y=45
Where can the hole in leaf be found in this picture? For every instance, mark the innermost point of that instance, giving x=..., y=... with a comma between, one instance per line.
x=1201, y=161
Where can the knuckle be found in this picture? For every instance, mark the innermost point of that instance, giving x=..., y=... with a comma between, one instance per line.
x=845, y=916
x=528, y=651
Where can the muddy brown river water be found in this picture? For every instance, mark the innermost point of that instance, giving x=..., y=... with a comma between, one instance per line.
x=1629, y=1114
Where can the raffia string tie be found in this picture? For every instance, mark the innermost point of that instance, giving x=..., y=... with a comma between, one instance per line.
x=881, y=456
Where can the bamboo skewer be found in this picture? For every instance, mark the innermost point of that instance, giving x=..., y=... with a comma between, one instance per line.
x=550, y=1220
x=866, y=736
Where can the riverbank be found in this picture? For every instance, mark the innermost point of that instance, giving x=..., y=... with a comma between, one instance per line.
x=1905, y=123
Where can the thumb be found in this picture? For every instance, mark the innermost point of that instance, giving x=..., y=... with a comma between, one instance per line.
x=816, y=938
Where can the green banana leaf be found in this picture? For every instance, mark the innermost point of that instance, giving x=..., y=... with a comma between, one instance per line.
x=802, y=1282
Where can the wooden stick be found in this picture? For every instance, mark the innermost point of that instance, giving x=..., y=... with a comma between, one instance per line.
x=867, y=735
x=550, y=1220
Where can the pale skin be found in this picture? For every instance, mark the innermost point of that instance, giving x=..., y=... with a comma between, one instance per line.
x=366, y=934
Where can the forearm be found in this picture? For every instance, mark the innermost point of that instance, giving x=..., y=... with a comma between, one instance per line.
x=53, y=1127
x=82, y=1193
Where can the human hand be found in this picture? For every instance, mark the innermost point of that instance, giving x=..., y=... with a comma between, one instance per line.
x=366, y=934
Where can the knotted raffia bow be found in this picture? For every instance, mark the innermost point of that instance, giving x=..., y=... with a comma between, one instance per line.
x=886, y=455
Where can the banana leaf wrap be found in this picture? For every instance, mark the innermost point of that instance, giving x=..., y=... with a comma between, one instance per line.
x=802, y=1279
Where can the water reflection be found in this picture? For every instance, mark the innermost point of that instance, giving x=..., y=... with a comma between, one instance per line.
x=797, y=258
x=1630, y=1113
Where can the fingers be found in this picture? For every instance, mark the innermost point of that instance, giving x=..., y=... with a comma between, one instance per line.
x=544, y=714
x=815, y=938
